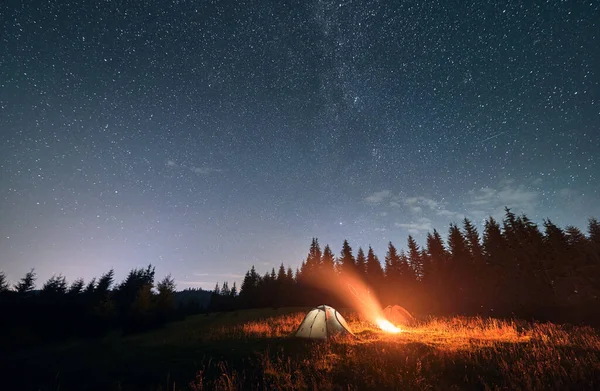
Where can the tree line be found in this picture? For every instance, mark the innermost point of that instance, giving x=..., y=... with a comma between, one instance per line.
x=60, y=309
x=513, y=268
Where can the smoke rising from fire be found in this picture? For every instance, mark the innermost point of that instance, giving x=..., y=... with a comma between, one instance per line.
x=355, y=293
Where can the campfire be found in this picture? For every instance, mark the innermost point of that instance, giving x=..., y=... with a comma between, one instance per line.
x=386, y=325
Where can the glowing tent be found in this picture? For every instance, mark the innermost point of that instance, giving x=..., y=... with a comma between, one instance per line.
x=398, y=315
x=323, y=322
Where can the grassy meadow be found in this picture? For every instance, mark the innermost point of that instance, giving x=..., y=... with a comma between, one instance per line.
x=253, y=350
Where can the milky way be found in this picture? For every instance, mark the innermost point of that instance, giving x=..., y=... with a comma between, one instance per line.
x=204, y=137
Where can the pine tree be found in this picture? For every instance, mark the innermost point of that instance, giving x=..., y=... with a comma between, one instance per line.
x=435, y=282
x=474, y=268
x=27, y=283
x=90, y=287
x=414, y=255
x=56, y=285
x=473, y=244
x=328, y=261
x=4, y=287
x=76, y=287
x=313, y=260
x=361, y=263
x=346, y=261
x=459, y=276
x=498, y=279
x=105, y=282
x=406, y=274
x=375, y=275
x=281, y=274
x=560, y=265
x=225, y=289
x=594, y=240
x=391, y=264
x=165, y=300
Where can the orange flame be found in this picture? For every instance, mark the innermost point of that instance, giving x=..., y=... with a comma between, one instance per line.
x=386, y=325
x=355, y=292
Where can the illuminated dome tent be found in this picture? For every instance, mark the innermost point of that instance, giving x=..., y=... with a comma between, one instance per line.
x=398, y=315
x=323, y=322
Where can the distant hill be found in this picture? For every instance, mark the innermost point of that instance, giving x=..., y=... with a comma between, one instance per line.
x=193, y=297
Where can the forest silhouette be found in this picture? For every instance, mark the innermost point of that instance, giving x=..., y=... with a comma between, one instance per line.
x=514, y=268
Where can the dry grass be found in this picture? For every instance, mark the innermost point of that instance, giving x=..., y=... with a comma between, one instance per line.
x=253, y=350
x=438, y=353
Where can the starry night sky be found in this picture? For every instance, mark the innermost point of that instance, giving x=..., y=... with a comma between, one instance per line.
x=207, y=136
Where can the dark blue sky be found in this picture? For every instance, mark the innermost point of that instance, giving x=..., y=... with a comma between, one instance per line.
x=204, y=137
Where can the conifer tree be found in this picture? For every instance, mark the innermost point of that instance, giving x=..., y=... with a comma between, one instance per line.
x=361, y=263
x=497, y=280
x=165, y=300
x=328, y=261
x=435, y=280
x=414, y=255
x=76, y=287
x=393, y=287
x=90, y=288
x=375, y=275
x=105, y=282
x=346, y=261
x=56, y=285
x=458, y=271
x=225, y=289
x=4, y=287
x=313, y=260
x=27, y=283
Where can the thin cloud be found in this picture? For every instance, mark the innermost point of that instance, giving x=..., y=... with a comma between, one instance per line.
x=194, y=283
x=171, y=163
x=449, y=213
x=420, y=226
x=506, y=195
x=378, y=197
x=491, y=201
x=226, y=275
x=204, y=170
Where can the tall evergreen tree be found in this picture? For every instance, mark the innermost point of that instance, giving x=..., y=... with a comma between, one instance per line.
x=435, y=279
x=27, y=283
x=414, y=255
x=474, y=244
x=76, y=287
x=4, y=287
x=105, y=282
x=56, y=285
x=594, y=239
x=225, y=291
x=392, y=286
x=165, y=300
x=328, y=261
x=458, y=274
x=361, y=263
x=498, y=279
x=474, y=268
x=375, y=275
x=346, y=261
x=90, y=287
x=313, y=260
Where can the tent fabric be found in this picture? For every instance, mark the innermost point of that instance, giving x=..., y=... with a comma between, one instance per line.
x=398, y=315
x=323, y=322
